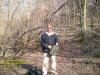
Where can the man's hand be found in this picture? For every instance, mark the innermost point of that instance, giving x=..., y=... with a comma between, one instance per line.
x=57, y=44
x=49, y=47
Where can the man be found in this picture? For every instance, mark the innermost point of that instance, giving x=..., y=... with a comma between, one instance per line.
x=48, y=39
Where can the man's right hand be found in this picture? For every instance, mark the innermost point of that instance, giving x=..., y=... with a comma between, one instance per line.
x=49, y=47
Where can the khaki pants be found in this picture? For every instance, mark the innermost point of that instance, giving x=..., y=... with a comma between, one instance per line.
x=45, y=64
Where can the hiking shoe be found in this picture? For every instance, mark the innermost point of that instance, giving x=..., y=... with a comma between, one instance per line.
x=53, y=71
x=44, y=74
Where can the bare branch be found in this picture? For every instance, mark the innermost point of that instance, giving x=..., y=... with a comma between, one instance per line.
x=31, y=31
x=15, y=10
x=60, y=8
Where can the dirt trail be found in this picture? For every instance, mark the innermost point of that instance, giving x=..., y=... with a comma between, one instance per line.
x=69, y=61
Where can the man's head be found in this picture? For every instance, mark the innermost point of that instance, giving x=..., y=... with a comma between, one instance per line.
x=49, y=28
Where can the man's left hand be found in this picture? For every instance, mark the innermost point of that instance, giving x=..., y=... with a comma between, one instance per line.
x=57, y=44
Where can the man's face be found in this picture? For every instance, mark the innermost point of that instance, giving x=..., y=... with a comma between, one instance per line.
x=49, y=28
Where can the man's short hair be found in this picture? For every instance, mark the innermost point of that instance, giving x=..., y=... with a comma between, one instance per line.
x=49, y=25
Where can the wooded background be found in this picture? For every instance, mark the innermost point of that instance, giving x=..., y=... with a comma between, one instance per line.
x=23, y=21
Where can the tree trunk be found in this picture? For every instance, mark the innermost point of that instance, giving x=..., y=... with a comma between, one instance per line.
x=0, y=2
x=85, y=14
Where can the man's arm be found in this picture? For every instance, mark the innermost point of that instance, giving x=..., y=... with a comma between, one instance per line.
x=56, y=40
x=43, y=44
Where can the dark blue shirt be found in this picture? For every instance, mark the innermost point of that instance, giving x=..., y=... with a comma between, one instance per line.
x=48, y=40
